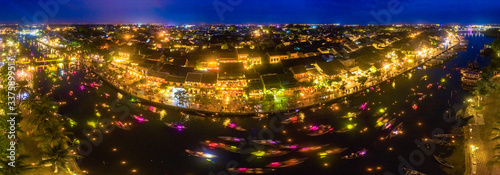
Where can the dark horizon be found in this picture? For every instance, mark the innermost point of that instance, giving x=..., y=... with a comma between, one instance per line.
x=249, y=12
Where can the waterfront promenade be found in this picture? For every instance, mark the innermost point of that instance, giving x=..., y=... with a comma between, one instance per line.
x=314, y=99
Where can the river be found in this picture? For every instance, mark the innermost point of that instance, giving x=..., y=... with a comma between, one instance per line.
x=151, y=148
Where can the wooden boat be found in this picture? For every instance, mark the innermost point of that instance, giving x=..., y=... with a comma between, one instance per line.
x=230, y=148
x=291, y=113
x=293, y=147
x=312, y=148
x=355, y=155
x=237, y=128
x=314, y=109
x=332, y=151
x=396, y=131
x=231, y=139
x=120, y=125
x=441, y=142
x=250, y=170
x=270, y=153
x=351, y=115
x=321, y=132
x=287, y=163
x=293, y=119
x=345, y=129
x=267, y=142
x=389, y=124
x=446, y=135
x=412, y=172
x=200, y=154
x=443, y=162
x=177, y=126
x=139, y=118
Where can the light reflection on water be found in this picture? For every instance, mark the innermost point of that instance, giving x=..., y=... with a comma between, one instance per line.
x=152, y=148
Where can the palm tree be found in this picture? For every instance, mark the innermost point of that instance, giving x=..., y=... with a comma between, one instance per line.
x=59, y=157
x=20, y=166
x=43, y=112
x=53, y=134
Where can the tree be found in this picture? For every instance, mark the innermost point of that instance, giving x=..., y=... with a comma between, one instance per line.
x=496, y=131
x=342, y=87
x=181, y=96
x=496, y=46
x=59, y=156
x=53, y=134
x=43, y=113
x=337, y=79
x=269, y=97
x=20, y=167
x=362, y=80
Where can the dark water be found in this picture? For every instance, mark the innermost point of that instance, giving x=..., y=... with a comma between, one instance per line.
x=152, y=148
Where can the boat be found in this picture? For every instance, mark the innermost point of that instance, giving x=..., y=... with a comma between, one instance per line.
x=312, y=148
x=422, y=97
x=363, y=106
x=250, y=170
x=446, y=135
x=139, y=118
x=470, y=76
x=389, y=124
x=267, y=142
x=200, y=154
x=443, y=162
x=286, y=163
x=412, y=172
x=314, y=109
x=231, y=139
x=334, y=106
x=177, y=126
x=351, y=115
x=237, y=128
x=345, y=129
x=120, y=125
x=332, y=151
x=289, y=147
x=259, y=116
x=429, y=86
x=441, y=142
x=382, y=120
x=414, y=105
x=355, y=155
x=398, y=129
x=321, y=132
x=270, y=153
x=293, y=119
x=291, y=113
x=230, y=148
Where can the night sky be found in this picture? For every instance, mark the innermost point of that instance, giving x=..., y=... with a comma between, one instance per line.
x=252, y=11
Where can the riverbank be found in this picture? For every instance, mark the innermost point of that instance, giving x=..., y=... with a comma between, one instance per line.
x=217, y=110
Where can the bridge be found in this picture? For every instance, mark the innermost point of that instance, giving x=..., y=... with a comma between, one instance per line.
x=472, y=34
